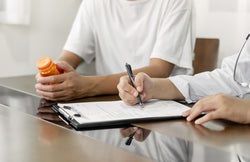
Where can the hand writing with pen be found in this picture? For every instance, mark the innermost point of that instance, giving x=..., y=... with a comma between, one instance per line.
x=139, y=134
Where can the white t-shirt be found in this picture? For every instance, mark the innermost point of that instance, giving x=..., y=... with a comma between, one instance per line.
x=193, y=88
x=118, y=31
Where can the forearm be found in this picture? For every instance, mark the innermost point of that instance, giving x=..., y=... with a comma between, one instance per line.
x=104, y=84
x=157, y=69
x=71, y=58
x=107, y=84
x=165, y=89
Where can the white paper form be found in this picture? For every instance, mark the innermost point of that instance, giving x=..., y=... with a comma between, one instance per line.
x=118, y=110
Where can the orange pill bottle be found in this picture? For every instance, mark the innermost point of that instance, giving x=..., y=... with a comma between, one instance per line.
x=47, y=67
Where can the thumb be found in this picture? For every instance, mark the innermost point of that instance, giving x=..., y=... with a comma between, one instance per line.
x=139, y=79
x=64, y=66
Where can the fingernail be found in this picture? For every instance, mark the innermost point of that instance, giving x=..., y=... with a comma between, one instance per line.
x=198, y=121
x=188, y=118
x=138, y=132
x=135, y=94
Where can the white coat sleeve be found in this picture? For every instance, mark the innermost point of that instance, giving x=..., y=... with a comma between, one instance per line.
x=204, y=84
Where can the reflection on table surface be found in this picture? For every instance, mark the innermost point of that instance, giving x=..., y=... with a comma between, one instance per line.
x=159, y=146
x=219, y=134
x=218, y=137
x=25, y=138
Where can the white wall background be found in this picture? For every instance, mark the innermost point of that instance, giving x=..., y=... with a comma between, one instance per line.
x=228, y=20
x=22, y=46
x=15, y=11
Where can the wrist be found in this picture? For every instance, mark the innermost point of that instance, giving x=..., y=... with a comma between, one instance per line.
x=100, y=85
x=164, y=89
x=88, y=85
x=93, y=85
x=156, y=86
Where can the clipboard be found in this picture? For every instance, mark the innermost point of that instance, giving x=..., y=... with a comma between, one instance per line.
x=115, y=114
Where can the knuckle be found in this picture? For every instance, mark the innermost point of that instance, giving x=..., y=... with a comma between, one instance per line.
x=202, y=100
x=140, y=74
x=126, y=101
x=52, y=95
x=143, y=75
x=121, y=86
x=123, y=79
x=53, y=79
x=69, y=85
x=210, y=116
x=200, y=104
x=121, y=94
x=222, y=99
x=51, y=88
x=220, y=96
x=70, y=77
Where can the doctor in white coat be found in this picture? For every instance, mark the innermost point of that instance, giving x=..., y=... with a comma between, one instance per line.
x=219, y=93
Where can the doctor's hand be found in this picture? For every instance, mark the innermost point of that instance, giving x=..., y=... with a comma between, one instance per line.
x=220, y=106
x=144, y=85
x=67, y=86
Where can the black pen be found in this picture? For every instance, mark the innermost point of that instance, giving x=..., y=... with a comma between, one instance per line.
x=131, y=77
x=129, y=140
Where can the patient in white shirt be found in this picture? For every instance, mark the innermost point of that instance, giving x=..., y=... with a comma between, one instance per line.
x=154, y=36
